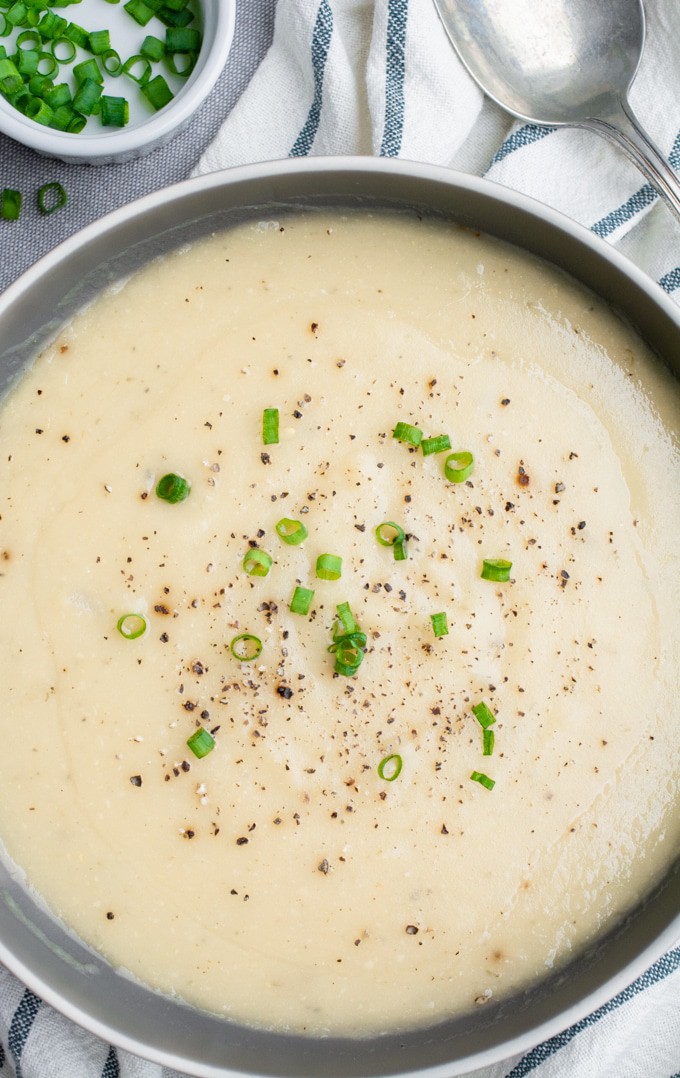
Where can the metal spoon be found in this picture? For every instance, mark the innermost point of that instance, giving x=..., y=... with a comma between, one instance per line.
x=562, y=63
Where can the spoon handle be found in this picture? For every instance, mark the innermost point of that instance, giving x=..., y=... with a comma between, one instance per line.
x=622, y=127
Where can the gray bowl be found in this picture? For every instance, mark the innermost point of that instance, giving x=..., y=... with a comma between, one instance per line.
x=41, y=952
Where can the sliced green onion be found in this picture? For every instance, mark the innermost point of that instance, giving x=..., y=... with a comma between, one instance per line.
x=157, y=92
x=301, y=601
x=349, y=650
x=181, y=63
x=400, y=551
x=483, y=780
x=66, y=119
x=174, y=18
x=389, y=533
x=10, y=77
x=440, y=624
x=346, y=618
x=173, y=488
x=88, y=69
x=484, y=715
x=112, y=63
x=51, y=197
x=142, y=13
x=488, y=739
x=29, y=39
x=439, y=444
x=246, y=647
x=51, y=26
x=270, y=426
x=138, y=68
x=58, y=95
x=290, y=531
x=63, y=50
x=39, y=111
x=153, y=48
x=390, y=768
x=16, y=14
x=257, y=562
x=328, y=567
x=27, y=62
x=100, y=41
x=47, y=65
x=201, y=742
x=496, y=569
x=404, y=432
x=458, y=467
x=114, y=111
x=131, y=626
x=77, y=34
x=182, y=39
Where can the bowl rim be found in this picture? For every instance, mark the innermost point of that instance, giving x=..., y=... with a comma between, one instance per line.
x=357, y=168
x=219, y=17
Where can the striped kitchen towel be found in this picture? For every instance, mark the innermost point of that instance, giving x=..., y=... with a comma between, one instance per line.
x=381, y=78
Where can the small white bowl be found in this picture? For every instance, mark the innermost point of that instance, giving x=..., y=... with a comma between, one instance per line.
x=97, y=145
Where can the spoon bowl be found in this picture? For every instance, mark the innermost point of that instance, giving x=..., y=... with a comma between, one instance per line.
x=562, y=62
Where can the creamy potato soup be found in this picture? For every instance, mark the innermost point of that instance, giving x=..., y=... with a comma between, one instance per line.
x=366, y=819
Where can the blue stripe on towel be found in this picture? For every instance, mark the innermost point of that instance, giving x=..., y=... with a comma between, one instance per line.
x=21, y=1025
x=395, y=70
x=637, y=202
x=112, y=1066
x=671, y=280
x=321, y=43
x=666, y=965
x=523, y=136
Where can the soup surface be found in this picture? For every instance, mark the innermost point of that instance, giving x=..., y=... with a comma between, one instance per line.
x=287, y=878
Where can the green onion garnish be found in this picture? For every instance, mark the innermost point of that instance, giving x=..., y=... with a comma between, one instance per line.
x=173, y=488
x=496, y=569
x=440, y=624
x=390, y=768
x=389, y=533
x=346, y=618
x=270, y=426
x=142, y=13
x=458, y=467
x=201, y=742
x=301, y=601
x=400, y=551
x=404, y=432
x=100, y=41
x=291, y=531
x=182, y=39
x=137, y=68
x=257, y=563
x=157, y=92
x=483, y=780
x=86, y=97
x=131, y=626
x=328, y=567
x=349, y=649
x=51, y=197
x=114, y=111
x=153, y=48
x=438, y=444
x=484, y=715
x=488, y=739
x=10, y=204
x=246, y=647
